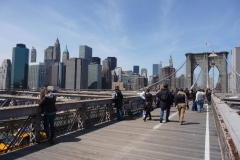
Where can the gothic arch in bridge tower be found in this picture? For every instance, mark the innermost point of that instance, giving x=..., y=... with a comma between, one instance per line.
x=196, y=59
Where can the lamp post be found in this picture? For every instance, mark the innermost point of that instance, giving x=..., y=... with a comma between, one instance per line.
x=212, y=55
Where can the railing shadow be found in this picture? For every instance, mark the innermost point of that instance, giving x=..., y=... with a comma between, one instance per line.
x=69, y=137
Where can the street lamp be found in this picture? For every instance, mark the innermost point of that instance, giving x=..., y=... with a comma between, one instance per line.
x=212, y=55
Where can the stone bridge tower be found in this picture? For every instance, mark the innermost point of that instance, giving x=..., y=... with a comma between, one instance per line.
x=196, y=59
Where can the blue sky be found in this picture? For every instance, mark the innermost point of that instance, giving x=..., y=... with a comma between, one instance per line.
x=137, y=32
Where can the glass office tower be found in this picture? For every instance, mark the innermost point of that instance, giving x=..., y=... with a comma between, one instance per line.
x=19, y=74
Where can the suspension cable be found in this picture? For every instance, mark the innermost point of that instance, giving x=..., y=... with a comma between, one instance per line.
x=231, y=66
x=203, y=64
x=234, y=80
x=169, y=75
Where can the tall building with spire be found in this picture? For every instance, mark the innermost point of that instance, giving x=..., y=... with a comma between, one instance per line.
x=170, y=62
x=65, y=55
x=57, y=51
x=33, y=55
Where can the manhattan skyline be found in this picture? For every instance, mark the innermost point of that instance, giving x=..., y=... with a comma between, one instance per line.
x=136, y=32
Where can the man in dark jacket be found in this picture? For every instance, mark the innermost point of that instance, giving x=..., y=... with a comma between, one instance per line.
x=165, y=97
x=47, y=105
x=118, y=100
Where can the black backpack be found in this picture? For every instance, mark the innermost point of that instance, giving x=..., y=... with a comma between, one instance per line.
x=164, y=96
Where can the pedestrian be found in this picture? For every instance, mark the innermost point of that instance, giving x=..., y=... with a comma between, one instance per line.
x=118, y=100
x=181, y=102
x=165, y=97
x=142, y=101
x=48, y=108
x=148, y=104
x=199, y=100
x=208, y=95
x=194, y=103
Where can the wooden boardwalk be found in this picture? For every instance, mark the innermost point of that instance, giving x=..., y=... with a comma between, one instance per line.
x=133, y=140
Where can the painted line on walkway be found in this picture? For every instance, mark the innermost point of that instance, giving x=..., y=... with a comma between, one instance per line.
x=207, y=144
x=158, y=125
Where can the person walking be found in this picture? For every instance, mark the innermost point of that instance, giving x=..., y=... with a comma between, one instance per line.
x=48, y=108
x=194, y=103
x=165, y=97
x=181, y=102
x=199, y=100
x=142, y=101
x=208, y=95
x=148, y=105
x=117, y=99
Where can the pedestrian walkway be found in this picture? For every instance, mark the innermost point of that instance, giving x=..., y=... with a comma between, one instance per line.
x=134, y=140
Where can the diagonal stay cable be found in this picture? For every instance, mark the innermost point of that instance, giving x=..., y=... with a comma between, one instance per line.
x=203, y=64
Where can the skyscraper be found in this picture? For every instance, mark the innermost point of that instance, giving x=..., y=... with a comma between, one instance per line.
x=136, y=69
x=155, y=69
x=94, y=76
x=144, y=72
x=96, y=60
x=48, y=53
x=47, y=64
x=112, y=62
x=160, y=71
x=85, y=52
x=76, y=73
x=106, y=75
x=65, y=55
x=5, y=74
x=36, y=75
x=236, y=67
x=33, y=55
x=19, y=73
x=57, y=51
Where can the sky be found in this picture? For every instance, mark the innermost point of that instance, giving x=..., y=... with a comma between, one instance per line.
x=137, y=32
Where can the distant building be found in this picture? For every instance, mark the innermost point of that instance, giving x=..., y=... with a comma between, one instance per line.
x=112, y=62
x=235, y=67
x=155, y=69
x=36, y=75
x=48, y=53
x=136, y=69
x=65, y=55
x=33, y=55
x=76, y=73
x=94, y=76
x=85, y=52
x=57, y=51
x=106, y=75
x=96, y=60
x=168, y=72
x=144, y=72
x=47, y=64
x=118, y=71
x=55, y=74
x=119, y=84
x=5, y=74
x=19, y=73
x=180, y=81
x=230, y=85
x=160, y=71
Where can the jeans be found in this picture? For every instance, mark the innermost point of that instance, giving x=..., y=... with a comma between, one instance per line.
x=49, y=119
x=144, y=113
x=199, y=105
x=194, y=105
x=167, y=113
x=120, y=113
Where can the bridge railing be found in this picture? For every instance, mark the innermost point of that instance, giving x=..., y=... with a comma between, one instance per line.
x=227, y=124
x=23, y=125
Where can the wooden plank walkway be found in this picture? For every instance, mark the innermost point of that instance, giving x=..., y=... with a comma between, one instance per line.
x=133, y=140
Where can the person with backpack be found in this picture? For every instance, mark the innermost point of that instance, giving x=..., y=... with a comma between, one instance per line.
x=181, y=102
x=118, y=100
x=165, y=97
x=148, y=105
